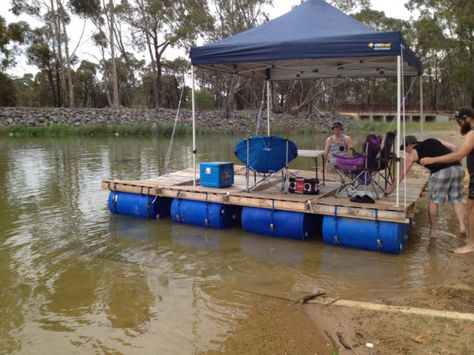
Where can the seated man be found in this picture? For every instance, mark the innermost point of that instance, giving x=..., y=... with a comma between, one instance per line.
x=337, y=144
x=446, y=179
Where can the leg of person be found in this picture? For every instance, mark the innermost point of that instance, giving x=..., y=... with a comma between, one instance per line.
x=459, y=211
x=437, y=192
x=469, y=247
x=433, y=214
x=455, y=196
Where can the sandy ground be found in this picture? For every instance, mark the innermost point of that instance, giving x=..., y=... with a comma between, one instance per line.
x=278, y=326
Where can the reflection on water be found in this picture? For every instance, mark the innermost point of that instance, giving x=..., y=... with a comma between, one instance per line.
x=75, y=278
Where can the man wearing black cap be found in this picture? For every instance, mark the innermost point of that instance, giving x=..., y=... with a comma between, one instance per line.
x=465, y=118
x=445, y=179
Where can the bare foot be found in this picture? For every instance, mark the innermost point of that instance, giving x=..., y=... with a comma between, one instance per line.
x=462, y=231
x=434, y=235
x=468, y=248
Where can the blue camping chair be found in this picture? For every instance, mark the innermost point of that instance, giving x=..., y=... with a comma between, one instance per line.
x=267, y=155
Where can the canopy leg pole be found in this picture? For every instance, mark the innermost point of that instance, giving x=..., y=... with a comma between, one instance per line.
x=397, y=147
x=422, y=117
x=194, y=126
x=268, y=107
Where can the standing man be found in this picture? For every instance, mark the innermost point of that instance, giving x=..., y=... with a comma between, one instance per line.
x=445, y=179
x=465, y=119
x=337, y=144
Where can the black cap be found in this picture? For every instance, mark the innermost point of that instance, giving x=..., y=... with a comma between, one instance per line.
x=409, y=140
x=337, y=125
x=464, y=112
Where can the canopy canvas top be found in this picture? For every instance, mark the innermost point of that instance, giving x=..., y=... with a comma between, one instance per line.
x=314, y=40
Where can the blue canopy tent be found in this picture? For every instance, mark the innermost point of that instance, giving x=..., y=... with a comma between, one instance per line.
x=314, y=40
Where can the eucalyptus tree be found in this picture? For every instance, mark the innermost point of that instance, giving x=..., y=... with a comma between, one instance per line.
x=42, y=55
x=54, y=16
x=86, y=83
x=158, y=25
x=102, y=15
x=446, y=37
x=232, y=17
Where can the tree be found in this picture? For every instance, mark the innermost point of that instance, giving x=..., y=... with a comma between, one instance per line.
x=55, y=18
x=86, y=83
x=450, y=23
x=40, y=54
x=102, y=15
x=14, y=33
x=26, y=91
x=160, y=24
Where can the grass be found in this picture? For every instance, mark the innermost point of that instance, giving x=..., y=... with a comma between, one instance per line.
x=164, y=130
x=60, y=130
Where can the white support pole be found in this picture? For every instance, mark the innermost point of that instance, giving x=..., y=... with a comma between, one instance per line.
x=268, y=106
x=422, y=117
x=194, y=126
x=397, y=148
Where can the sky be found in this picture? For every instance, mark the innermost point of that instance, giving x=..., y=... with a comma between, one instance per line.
x=86, y=50
x=392, y=8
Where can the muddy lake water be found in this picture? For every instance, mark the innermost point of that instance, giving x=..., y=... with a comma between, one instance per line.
x=76, y=279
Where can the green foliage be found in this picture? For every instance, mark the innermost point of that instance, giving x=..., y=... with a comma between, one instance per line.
x=350, y=5
x=203, y=99
x=7, y=91
x=59, y=130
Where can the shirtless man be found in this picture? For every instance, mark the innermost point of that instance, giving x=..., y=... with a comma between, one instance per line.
x=465, y=119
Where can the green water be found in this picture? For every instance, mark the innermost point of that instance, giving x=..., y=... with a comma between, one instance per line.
x=75, y=279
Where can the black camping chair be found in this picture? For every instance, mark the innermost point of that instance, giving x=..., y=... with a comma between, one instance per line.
x=384, y=166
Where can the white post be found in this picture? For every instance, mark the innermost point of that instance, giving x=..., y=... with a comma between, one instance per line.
x=397, y=147
x=422, y=117
x=268, y=107
x=194, y=126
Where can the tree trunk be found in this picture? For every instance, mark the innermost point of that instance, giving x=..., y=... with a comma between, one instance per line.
x=229, y=100
x=57, y=30
x=115, y=91
x=53, y=89
x=157, y=71
x=68, y=63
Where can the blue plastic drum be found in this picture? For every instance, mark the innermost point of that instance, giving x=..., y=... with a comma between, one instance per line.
x=285, y=224
x=145, y=206
x=387, y=237
x=205, y=214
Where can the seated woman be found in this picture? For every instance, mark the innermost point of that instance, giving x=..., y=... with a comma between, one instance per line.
x=338, y=144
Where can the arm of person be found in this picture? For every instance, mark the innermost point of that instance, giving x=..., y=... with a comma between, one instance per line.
x=412, y=158
x=349, y=146
x=326, y=148
x=465, y=149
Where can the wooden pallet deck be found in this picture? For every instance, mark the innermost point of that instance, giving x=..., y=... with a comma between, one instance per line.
x=180, y=185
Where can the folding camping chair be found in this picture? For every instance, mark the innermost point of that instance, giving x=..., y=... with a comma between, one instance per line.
x=384, y=167
x=267, y=155
x=356, y=173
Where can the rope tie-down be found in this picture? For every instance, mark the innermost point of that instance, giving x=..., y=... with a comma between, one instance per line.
x=178, y=217
x=377, y=228
x=336, y=225
x=272, y=220
x=206, y=219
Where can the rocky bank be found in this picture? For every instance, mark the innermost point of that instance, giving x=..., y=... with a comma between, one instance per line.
x=238, y=121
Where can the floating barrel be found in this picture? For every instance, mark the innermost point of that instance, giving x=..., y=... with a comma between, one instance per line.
x=278, y=223
x=362, y=234
x=152, y=207
x=206, y=214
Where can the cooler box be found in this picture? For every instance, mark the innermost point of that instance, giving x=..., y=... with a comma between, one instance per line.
x=217, y=174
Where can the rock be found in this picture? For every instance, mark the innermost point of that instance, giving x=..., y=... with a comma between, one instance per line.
x=241, y=121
